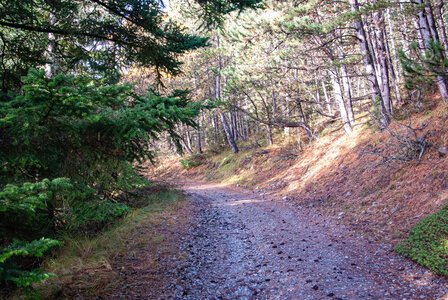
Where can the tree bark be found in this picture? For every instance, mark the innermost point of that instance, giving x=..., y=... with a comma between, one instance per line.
x=227, y=129
x=50, y=66
x=337, y=92
x=392, y=73
x=347, y=93
x=368, y=63
x=382, y=61
x=327, y=99
x=198, y=140
x=442, y=30
x=428, y=34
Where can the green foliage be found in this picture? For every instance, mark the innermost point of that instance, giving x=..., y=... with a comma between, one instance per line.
x=70, y=127
x=130, y=32
x=93, y=214
x=93, y=252
x=11, y=271
x=73, y=127
x=28, y=211
x=191, y=161
x=421, y=70
x=428, y=242
x=212, y=12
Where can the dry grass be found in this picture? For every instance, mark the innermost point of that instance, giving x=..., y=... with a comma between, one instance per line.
x=84, y=264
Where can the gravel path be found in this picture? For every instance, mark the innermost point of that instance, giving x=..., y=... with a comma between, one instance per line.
x=241, y=245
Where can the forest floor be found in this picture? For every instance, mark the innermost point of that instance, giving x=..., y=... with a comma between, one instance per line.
x=231, y=243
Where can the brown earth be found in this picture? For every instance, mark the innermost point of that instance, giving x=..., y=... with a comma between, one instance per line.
x=234, y=244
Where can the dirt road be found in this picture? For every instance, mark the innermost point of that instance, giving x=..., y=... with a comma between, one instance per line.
x=241, y=245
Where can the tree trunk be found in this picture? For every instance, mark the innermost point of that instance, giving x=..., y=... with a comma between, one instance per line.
x=269, y=134
x=286, y=130
x=347, y=93
x=198, y=140
x=393, y=49
x=274, y=103
x=442, y=29
x=427, y=35
x=382, y=61
x=345, y=82
x=368, y=63
x=392, y=73
x=337, y=92
x=227, y=129
x=50, y=66
x=308, y=131
x=327, y=99
x=228, y=133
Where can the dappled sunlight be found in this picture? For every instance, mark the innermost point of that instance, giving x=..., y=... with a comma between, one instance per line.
x=320, y=158
x=246, y=201
x=424, y=280
x=201, y=187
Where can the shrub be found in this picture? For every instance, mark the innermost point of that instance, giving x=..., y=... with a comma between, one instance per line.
x=428, y=242
x=93, y=215
x=191, y=161
x=30, y=211
x=12, y=271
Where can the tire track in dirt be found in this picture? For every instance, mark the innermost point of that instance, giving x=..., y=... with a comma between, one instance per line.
x=244, y=246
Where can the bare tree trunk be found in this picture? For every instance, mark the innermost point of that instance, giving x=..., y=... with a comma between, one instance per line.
x=269, y=134
x=318, y=98
x=50, y=66
x=184, y=138
x=442, y=29
x=421, y=42
x=227, y=129
x=308, y=131
x=228, y=133
x=198, y=130
x=268, y=126
x=392, y=74
x=431, y=23
x=274, y=103
x=188, y=136
x=347, y=93
x=340, y=101
x=246, y=126
x=382, y=61
x=393, y=49
x=327, y=99
x=368, y=63
x=428, y=34
x=236, y=132
x=198, y=140
x=286, y=130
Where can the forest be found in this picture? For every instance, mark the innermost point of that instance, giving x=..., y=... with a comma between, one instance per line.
x=101, y=100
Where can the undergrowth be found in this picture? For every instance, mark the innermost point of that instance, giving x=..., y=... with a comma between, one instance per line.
x=192, y=161
x=428, y=242
x=83, y=263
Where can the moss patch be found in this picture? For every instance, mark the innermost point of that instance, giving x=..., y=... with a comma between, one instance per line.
x=428, y=242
